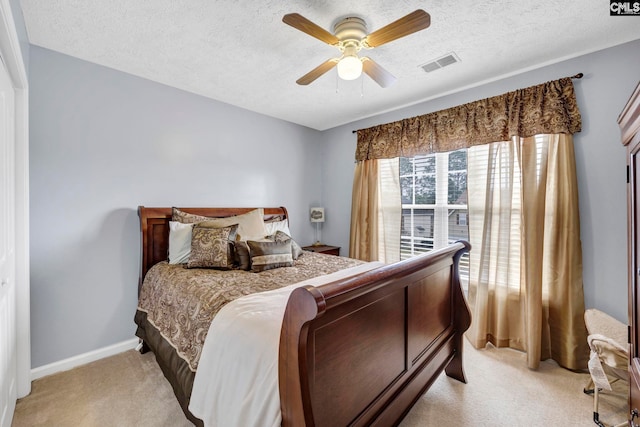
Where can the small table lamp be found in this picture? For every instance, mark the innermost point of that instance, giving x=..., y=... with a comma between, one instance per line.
x=316, y=215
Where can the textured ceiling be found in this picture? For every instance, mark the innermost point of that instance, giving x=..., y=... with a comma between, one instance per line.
x=241, y=53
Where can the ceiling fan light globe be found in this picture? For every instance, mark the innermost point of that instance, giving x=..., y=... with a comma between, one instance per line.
x=349, y=68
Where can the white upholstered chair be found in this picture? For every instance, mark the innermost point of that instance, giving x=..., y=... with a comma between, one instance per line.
x=609, y=360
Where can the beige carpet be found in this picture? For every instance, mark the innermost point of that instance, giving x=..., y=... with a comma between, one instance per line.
x=129, y=390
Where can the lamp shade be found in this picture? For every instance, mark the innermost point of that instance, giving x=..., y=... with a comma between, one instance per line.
x=350, y=67
x=316, y=215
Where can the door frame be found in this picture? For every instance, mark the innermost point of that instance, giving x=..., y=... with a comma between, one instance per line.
x=11, y=53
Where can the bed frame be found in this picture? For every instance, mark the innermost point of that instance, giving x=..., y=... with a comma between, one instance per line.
x=358, y=351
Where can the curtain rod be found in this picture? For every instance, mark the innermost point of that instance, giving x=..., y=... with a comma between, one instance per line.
x=576, y=76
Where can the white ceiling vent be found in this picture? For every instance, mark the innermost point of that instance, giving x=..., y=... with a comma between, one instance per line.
x=443, y=61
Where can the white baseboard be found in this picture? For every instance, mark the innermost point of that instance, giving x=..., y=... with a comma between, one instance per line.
x=82, y=359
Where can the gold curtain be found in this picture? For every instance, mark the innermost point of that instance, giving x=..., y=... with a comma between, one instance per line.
x=376, y=211
x=363, y=240
x=527, y=280
x=542, y=109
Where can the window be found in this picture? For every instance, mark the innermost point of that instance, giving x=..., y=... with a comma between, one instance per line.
x=434, y=204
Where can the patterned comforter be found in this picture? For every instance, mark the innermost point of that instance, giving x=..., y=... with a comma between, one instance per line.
x=181, y=302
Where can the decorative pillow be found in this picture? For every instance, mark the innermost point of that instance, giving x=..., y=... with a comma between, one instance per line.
x=242, y=256
x=274, y=218
x=210, y=248
x=296, y=250
x=274, y=226
x=185, y=217
x=212, y=223
x=269, y=255
x=179, y=242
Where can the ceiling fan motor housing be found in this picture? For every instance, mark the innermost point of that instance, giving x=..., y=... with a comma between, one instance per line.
x=352, y=29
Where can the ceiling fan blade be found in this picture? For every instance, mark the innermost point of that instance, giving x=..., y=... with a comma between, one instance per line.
x=409, y=24
x=377, y=73
x=317, y=72
x=303, y=24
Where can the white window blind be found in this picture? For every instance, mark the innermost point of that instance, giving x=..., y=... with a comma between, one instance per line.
x=494, y=188
x=434, y=199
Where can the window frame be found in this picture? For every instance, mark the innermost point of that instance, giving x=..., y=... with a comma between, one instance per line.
x=412, y=244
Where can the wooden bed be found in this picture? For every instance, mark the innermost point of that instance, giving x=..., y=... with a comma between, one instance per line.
x=358, y=351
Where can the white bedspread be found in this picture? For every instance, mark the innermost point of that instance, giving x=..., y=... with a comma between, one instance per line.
x=236, y=383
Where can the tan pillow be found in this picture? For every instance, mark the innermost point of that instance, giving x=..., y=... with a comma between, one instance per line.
x=210, y=248
x=250, y=225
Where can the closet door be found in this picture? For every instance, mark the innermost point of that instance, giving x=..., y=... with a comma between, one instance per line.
x=7, y=252
x=629, y=121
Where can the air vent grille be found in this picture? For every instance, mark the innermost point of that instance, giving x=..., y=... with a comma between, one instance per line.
x=443, y=61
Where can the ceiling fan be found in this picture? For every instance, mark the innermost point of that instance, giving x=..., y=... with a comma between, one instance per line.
x=350, y=36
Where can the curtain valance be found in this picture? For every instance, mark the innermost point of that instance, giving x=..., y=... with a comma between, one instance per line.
x=542, y=109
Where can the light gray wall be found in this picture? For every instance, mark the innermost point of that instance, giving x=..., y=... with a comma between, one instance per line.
x=104, y=142
x=610, y=77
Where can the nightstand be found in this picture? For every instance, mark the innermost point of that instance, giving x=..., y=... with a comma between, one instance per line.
x=324, y=249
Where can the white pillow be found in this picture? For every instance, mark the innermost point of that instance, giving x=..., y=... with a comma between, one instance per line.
x=273, y=227
x=179, y=242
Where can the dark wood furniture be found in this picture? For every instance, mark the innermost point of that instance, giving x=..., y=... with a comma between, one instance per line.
x=357, y=351
x=324, y=249
x=629, y=122
x=154, y=230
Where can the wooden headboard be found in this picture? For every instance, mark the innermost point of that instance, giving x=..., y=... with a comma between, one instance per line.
x=154, y=229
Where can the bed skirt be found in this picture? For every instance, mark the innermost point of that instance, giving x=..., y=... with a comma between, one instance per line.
x=174, y=368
